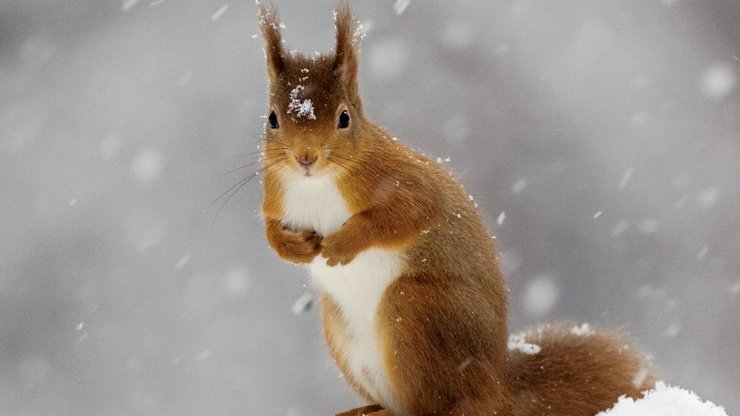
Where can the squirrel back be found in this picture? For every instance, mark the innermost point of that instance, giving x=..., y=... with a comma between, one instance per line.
x=414, y=307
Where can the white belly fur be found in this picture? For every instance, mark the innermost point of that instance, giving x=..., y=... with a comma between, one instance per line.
x=316, y=203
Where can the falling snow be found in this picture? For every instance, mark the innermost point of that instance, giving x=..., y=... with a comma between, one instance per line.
x=702, y=252
x=128, y=4
x=735, y=288
x=182, y=262
x=718, y=80
x=510, y=261
x=540, y=295
x=709, y=197
x=400, y=6
x=640, y=376
x=302, y=304
x=218, y=13
x=185, y=79
x=619, y=228
x=388, y=58
x=147, y=165
x=672, y=331
x=519, y=186
x=626, y=178
x=465, y=364
x=236, y=281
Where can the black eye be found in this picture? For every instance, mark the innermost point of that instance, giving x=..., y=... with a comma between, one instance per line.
x=343, y=120
x=273, y=120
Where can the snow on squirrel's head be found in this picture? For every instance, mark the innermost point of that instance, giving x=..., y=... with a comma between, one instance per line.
x=306, y=89
x=313, y=100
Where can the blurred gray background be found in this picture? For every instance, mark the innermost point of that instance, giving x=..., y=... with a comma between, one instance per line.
x=607, y=133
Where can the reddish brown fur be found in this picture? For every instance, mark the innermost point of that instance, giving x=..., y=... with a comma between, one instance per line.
x=571, y=372
x=443, y=321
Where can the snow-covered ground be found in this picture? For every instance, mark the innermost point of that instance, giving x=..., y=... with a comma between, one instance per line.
x=665, y=400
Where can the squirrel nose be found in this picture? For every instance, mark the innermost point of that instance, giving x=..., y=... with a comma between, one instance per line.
x=306, y=160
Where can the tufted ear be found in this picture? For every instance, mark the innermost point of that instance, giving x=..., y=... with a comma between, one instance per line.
x=347, y=60
x=274, y=52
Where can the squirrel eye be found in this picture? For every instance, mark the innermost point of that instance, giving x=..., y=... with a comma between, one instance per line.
x=273, y=120
x=344, y=120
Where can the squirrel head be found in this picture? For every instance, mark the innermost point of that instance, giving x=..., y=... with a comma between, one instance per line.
x=315, y=114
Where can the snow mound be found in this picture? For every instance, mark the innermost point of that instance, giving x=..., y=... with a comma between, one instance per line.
x=665, y=400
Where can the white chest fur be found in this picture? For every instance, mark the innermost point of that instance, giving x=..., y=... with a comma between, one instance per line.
x=357, y=288
x=313, y=203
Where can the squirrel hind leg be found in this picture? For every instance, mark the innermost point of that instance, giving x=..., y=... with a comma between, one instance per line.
x=577, y=372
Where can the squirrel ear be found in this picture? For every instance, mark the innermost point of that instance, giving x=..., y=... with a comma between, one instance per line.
x=347, y=60
x=274, y=52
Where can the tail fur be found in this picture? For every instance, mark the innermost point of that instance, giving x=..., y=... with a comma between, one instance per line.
x=576, y=372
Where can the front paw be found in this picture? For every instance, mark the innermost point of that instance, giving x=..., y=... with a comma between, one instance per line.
x=338, y=250
x=298, y=246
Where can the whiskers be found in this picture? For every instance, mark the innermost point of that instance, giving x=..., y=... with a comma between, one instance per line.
x=260, y=161
x=348, y=164
x=337, y=159
x=272, y=158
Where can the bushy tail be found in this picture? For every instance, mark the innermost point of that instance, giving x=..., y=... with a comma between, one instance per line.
x=574, y=371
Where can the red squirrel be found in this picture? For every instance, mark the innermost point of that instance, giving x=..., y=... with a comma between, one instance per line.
x=413, y=303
